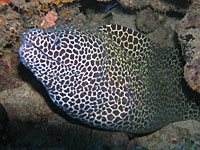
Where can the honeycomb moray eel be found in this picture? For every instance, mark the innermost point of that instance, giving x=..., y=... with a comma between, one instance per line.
x=109, y=77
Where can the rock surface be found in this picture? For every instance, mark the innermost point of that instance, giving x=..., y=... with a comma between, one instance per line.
x=172, y=136
x=189, y=36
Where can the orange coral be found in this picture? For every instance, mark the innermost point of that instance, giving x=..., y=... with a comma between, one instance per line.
x=57, y=2
x=195, y=87
x=5, y=1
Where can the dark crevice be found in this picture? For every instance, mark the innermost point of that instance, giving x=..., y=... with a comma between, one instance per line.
x=179, y=3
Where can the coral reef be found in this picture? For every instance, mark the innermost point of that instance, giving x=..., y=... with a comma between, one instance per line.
x=71, y=15
x=104, y=0
x=18, y=3
x=189, y=36
x=5, y=1
x=148, y=21
x=10, y=27
x=54, y=1
x=173, y=136
x=158, y=5
x=188, y=144
x=8, y=71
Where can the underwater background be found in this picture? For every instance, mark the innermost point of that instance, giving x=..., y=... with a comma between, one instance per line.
x=29, y=119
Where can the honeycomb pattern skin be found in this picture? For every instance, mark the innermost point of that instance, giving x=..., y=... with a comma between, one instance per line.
x=109, y=77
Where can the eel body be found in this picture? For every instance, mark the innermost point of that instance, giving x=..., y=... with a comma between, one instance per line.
x=109, y=77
